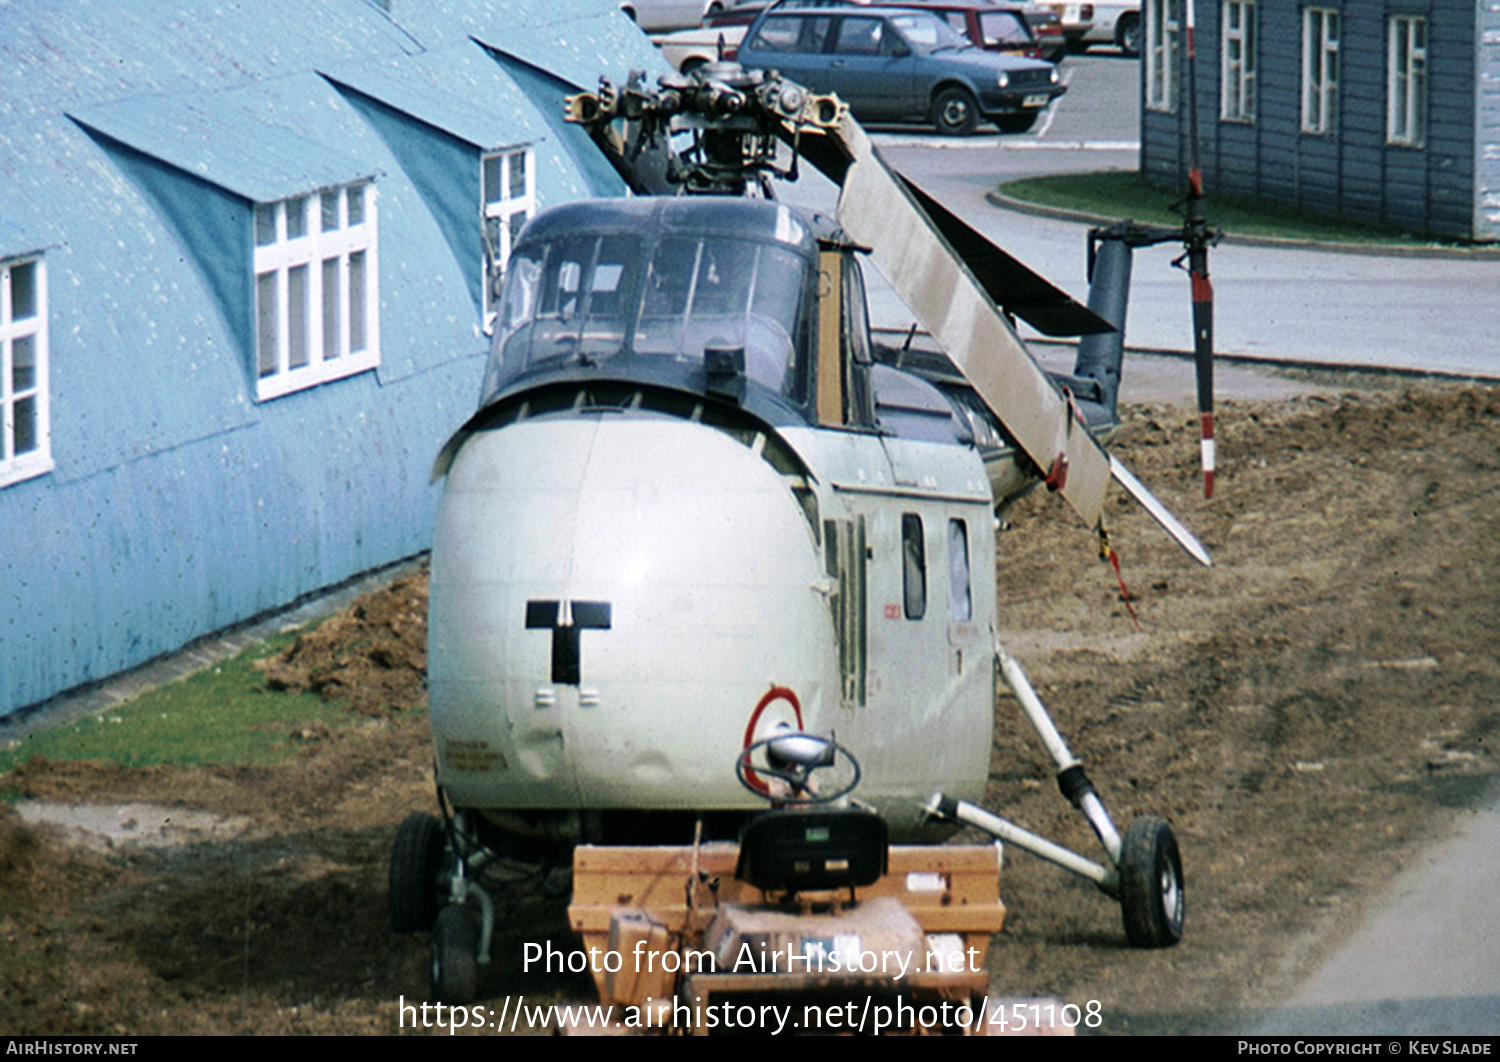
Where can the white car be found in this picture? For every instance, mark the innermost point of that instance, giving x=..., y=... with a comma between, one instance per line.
x=1085, y=25
x=689, y=49
x=664, y=16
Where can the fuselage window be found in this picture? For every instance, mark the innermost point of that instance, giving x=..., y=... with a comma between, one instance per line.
x=958, y=571
x=913, y=566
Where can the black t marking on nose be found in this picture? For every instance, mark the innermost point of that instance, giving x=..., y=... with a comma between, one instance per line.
x=566, y=620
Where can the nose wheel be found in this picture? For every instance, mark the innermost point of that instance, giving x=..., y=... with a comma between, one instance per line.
x=434, y=871
x=455, y=955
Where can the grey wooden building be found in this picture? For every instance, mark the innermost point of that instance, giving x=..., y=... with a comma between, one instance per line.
x=1379, y=111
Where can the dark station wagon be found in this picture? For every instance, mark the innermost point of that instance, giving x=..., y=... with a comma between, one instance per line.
x=901, y=65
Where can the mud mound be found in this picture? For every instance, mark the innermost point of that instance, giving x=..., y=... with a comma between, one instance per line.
x=18, y=846
x=371, y=658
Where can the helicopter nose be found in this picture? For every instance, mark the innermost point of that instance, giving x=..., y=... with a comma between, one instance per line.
x=609, y=621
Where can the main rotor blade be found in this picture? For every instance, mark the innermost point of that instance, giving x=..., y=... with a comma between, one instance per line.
x=876, y=209
x=1015, y=287
x=1159, y=512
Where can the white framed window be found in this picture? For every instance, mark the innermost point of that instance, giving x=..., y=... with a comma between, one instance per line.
x=1237, y=62
x=1406, y=82
x=1320, y=70
x=316, y=289
x=25, y=427
x=509, y=194
x=1163, y=30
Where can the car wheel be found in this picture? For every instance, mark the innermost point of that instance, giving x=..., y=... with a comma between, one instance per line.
x=1128, y=36
x=455, y=956
x=1017, y=123
x=416, y=865
x=1151, y=886
x=692, y=64
x=954, y=111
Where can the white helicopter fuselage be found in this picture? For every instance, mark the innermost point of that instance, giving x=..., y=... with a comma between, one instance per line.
x=631, y=586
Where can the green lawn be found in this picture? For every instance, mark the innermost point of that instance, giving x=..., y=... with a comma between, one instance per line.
x=1122, y=194
x=224, y=714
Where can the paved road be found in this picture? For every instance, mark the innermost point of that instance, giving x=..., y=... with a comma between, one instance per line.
x=1423, y=314
x=1424, y=960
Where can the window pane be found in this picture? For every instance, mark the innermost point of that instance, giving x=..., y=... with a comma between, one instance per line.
x=296, y=317
x=266, y=313
x=518, y=175
x=296, y=218
x=357, y=307
x=23, y=364
x=22, y=291
x=331, y=315
x=958, y=570
x=330, y=211
x=265, y=224
x=357, y=205
x=913, y=566
x=492, y=189
x=25, y=431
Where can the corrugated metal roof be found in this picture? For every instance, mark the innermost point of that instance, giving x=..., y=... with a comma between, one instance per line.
x=65, y=56
x=459, y=90
x=613, y=48
x=216, y=138
x=16, y=241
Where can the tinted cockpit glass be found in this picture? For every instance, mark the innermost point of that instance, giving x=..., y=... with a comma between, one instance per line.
x=613, y=301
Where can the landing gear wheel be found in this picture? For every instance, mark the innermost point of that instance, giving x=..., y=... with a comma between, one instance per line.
x=416, y=872
x=455, y=956
x=1151, y=886
x=954, y=111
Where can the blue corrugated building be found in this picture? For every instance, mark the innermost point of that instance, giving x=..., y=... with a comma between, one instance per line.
x=246, y=257
x=1381, y=111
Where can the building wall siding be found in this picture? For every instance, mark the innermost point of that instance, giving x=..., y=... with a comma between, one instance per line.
x=1352, y=172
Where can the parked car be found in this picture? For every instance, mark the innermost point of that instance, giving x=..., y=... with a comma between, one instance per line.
x=664, y=16
x=991, y=26
x=899, y=65
x=1117, y=23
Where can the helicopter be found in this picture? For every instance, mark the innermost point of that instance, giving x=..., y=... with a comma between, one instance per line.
x=701, y=506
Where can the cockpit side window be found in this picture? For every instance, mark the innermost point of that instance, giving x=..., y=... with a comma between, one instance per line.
x=858, y=355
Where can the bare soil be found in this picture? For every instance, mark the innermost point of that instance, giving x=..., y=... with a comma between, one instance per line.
x=1307, y=713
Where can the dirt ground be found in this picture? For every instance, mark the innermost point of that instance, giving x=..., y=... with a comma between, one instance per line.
x=1307, y=713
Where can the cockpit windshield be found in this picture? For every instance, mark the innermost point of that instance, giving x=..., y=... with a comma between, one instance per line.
x=619, y=302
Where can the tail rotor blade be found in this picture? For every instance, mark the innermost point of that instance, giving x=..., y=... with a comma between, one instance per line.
x=1197, y=237
x=1203, y=358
